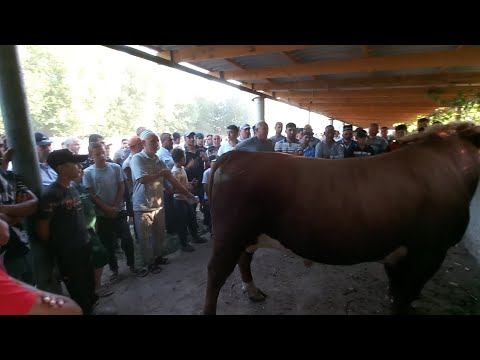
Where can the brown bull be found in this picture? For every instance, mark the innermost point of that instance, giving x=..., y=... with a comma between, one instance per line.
x=412, y=205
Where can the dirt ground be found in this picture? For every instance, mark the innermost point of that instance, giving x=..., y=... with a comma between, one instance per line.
x=292, y=289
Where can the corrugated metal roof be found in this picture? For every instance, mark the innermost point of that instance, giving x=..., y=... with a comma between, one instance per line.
x=409, y=72
x=345, y=76
x=328, y=52
x=294, y=79
x=169, y=47
x=216, y=65
x=389, y=50
x=259, y=61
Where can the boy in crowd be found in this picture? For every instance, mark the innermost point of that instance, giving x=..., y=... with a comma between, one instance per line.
x=61, y=224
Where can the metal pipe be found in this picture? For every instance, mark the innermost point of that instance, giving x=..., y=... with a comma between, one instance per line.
x=17, y=119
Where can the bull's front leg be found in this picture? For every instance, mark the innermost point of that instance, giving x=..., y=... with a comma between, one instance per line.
x=248, y=286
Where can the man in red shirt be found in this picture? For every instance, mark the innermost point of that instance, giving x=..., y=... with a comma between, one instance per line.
x=18, y=298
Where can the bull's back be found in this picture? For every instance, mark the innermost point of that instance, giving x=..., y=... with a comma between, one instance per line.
x=240, y=173
x=336, y=211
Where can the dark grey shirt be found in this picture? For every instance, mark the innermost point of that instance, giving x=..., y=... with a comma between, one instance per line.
x=68, y=230
x=253, y=144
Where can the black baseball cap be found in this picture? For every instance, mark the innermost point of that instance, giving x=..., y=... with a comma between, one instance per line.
x=59, y=157
x=42, y=139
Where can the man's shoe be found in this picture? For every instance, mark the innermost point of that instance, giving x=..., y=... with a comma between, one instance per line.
x=199, y=240
x=187, y=248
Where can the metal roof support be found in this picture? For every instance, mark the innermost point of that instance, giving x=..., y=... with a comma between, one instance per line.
x=260, y=108
x=17, y=119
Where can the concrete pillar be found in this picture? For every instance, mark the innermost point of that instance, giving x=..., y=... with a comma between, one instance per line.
x=259, y=108
x=17, y=119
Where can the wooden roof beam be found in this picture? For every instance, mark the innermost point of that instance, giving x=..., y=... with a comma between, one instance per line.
x=368, y=115
x=363, y=108
x=450, y=90
x=397, y=100
x=456, y=57
x=375, y=110
x=212, y=52
x=375, y=81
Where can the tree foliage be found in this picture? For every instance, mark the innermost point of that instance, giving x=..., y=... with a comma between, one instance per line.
x=210, y=117
x=124, y=109
x=460, y=108
x=80, y=91
x=48, y=94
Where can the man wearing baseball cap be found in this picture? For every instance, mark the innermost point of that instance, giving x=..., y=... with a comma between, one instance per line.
x=61, y=224
x=200, y=140
x=47, y=174
x=244, y=132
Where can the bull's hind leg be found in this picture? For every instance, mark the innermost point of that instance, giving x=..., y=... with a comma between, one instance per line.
x=221, y=265
x=248, y=285
x=408, y=276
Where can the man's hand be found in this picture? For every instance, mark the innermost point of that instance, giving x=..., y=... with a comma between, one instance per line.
x=7, y=157
x=52, y=301
x=23, y=196
x=112, y=212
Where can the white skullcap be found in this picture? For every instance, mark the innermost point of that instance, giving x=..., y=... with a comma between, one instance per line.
x=145, y=133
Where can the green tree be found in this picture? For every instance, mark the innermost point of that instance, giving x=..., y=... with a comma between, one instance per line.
x=460, y=108
x=125, y=109
x=161, y=122
x=208, y=116
x=184, y=115
x=47, y=92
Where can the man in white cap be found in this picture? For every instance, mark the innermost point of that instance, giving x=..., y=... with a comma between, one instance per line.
x=148, y=175
x=244, y=132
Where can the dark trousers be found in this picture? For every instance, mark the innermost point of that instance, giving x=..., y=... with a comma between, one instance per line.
x=76, y=270
x=185, y=218
x=207, y=219
x=169, y=212
x=108, y=230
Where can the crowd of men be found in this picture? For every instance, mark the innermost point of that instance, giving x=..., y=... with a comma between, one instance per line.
x=88, y=202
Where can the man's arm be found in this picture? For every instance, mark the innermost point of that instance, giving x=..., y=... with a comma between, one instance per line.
x=42, y=228
x=19, y=298
x=26, y=205
x=107, y=209
x=10, y=220
x=4, y=232
x=179, y=188
x=52, y=304
x=147, y=179
x=119, y=199
x=128, y=175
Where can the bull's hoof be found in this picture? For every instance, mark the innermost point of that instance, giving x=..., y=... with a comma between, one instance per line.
x=258, y=296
